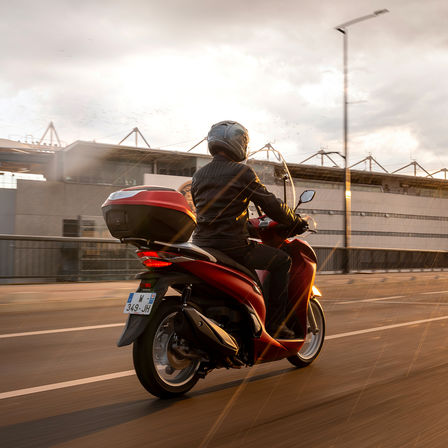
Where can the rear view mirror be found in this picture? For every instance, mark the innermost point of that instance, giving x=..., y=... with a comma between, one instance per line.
x=307, y=196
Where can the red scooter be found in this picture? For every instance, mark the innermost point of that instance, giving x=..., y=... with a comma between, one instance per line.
x=217, y=318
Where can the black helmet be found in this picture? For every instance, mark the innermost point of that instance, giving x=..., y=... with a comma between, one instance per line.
x=229, y=137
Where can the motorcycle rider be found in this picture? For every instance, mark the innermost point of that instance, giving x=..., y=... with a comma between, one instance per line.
x=221, y=192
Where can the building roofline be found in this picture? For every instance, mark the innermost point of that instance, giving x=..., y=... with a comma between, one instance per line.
x=112, y=146
x=362, y=176
x=298, y=170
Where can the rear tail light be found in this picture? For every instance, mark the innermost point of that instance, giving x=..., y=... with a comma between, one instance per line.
x=152, y=259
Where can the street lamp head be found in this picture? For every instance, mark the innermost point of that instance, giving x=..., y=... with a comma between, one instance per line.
x=342, y=28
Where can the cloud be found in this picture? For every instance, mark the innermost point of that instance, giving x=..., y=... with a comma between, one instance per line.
x=100, y=68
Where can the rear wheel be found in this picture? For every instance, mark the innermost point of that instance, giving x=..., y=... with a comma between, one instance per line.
x=160, y=367
x=314, y=340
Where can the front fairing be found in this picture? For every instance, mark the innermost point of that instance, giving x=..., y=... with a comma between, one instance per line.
x=301, y=281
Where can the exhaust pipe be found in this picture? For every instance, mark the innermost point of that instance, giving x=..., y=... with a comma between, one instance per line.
x=198, y=329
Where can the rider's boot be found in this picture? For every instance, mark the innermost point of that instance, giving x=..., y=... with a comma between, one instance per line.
x=276, y=322
x=280, y=331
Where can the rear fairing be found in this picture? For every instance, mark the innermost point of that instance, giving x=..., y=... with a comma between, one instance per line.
x=213, y=283
x=157, y=281
x=230, y=282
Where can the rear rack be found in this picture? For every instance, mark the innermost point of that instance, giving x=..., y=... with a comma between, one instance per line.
x=180, y=247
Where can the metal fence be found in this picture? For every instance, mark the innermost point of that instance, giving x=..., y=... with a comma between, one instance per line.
x=363, y=259
x=34, y=259
x=26, y=259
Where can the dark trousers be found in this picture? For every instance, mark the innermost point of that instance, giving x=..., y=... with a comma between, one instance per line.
x=278, y=263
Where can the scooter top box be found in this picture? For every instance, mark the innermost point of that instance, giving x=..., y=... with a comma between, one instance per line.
x=149, y=212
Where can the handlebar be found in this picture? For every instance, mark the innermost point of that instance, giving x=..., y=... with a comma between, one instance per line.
x=265, y=224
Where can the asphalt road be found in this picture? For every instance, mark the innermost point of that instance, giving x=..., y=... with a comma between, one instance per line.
x=380, y=381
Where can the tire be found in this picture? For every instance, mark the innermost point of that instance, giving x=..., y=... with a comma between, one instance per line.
x=313, y=344
x=160, y=371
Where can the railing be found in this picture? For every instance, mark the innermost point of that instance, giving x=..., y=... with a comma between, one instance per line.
x=35, y=259
x=363, y=259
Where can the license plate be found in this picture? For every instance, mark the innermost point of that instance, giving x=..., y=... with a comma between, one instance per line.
x=139, y=303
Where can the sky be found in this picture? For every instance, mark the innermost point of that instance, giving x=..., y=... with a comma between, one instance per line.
x=97, y=69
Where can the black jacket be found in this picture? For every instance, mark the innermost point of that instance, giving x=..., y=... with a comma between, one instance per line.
x=221, y=193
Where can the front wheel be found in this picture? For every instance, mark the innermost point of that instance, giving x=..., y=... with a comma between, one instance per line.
x=161, y=369
x=314, y=339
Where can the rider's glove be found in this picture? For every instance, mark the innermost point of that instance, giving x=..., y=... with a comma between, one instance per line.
x=300, y=225
x=253, y=233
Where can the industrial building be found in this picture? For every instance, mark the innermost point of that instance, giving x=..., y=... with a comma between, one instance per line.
x=388, y=210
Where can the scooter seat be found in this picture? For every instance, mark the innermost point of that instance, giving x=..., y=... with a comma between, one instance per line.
x=225, y=260
x=213, y=255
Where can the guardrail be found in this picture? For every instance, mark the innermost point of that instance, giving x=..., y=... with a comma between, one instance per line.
x=39, y=259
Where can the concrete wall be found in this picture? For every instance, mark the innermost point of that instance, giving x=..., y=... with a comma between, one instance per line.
x=202, y=161
x=41, y=208
x=165, y=181
x=8, y=210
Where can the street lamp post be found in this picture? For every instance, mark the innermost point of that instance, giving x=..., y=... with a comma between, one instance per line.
x=347, y=189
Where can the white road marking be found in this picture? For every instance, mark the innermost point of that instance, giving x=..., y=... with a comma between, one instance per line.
x=63, y=385
x=382, y=298
x=24, y=292
x=434, y=292
x=385, y=327
x=370, y=300
x=59, y=330
x=94, y=379
x=393, y=302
